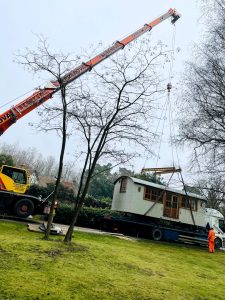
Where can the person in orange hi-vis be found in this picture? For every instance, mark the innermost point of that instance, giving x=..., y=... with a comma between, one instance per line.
x=211, y=239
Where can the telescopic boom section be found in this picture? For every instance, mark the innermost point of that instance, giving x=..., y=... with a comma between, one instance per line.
x=40, y=96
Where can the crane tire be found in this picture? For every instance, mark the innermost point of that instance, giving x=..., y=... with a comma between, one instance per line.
x=24, y=208
x=157, y=234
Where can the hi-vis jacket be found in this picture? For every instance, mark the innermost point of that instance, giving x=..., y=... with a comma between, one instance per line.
x=211, y=235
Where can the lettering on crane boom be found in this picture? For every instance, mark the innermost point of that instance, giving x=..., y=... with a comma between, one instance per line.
x=75, y=73
x=5, y=117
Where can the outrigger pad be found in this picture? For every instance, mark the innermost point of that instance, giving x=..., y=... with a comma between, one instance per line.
x=54, y=229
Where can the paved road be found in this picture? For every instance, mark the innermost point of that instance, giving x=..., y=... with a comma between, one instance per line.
x=35, y=227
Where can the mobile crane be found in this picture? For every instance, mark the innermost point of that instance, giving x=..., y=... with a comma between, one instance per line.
x=14, y=181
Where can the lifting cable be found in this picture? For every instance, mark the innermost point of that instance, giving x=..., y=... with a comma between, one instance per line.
x=169, y=87
x=180, y=176
x=166, y=106
x=13, y=100
x=172, y=130
x=28, y=92
x=162, y=116
x=171, y=119
x=160, y=196
x=162, y=131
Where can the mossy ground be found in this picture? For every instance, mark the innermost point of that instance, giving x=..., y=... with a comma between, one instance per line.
x=105, y=267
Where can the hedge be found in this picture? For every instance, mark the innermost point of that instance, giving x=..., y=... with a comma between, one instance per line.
x=88, y=217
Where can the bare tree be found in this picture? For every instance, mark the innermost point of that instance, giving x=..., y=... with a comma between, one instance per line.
x=114, y=111
x=212, y=189
x=35, y=161
x=203, y=98
x=56, y=65
x=49, y=166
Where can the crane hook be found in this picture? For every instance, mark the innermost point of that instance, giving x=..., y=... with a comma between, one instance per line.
x=169, y=87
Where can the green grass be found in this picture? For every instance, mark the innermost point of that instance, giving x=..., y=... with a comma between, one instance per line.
x=105, y=267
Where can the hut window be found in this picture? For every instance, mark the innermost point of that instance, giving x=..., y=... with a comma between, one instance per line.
x=175, y=202
x=123, y=185
x=156, y=195
x=185, y=203
x=147, y=193
x=203, y=204
x=152, y=194
x=168, y=200
x=194, y=204
x=139, y=189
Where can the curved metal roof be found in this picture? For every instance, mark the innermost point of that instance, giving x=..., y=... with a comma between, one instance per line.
x=162, y=187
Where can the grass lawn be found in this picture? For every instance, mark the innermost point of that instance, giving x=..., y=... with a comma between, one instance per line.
x=105, y=267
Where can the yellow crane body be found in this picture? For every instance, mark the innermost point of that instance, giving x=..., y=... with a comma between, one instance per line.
x=14, y=179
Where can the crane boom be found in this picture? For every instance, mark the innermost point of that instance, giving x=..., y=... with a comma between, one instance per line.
x=16, y=112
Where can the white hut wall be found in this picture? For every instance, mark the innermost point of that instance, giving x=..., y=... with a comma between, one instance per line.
x=131, y=197
x=132, y=200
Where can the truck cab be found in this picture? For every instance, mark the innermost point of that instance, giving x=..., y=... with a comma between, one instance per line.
x=216, y=220
x=14, y=179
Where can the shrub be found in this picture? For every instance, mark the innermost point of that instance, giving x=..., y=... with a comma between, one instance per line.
x=90, y=201
x=88, y=217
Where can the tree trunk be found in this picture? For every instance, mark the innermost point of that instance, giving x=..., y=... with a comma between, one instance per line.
x=51, y=215
x=70, y=230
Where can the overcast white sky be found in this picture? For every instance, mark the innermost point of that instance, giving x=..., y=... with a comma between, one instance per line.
x=70, y=26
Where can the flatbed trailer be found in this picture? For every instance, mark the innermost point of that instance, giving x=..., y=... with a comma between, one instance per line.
x=159, y=231
x=156, y=211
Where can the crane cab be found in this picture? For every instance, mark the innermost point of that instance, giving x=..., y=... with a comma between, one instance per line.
x=14, y=179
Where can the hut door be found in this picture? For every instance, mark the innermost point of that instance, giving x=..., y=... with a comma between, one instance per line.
x=171, y=208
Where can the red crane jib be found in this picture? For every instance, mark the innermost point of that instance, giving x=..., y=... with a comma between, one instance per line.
x=39, y=97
